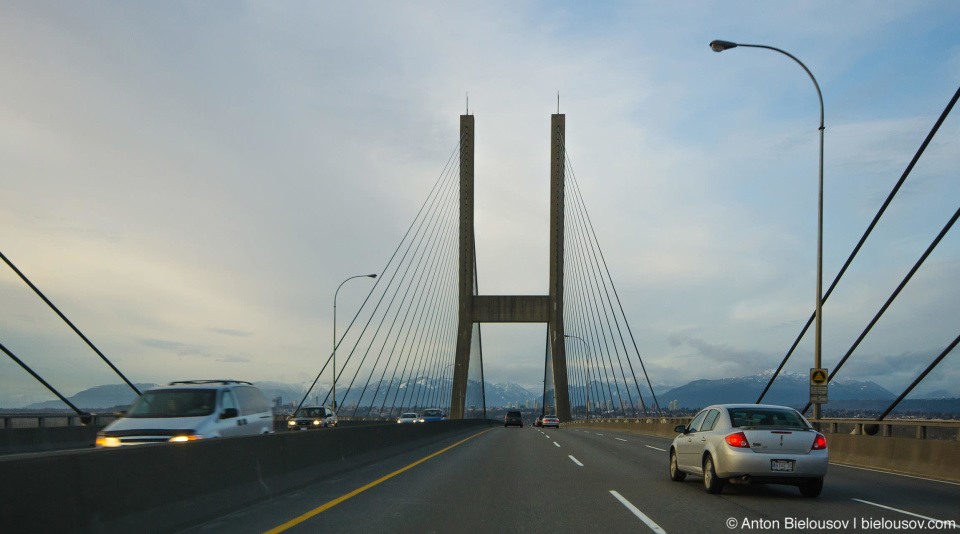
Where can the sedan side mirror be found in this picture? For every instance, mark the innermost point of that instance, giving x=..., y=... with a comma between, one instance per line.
x=229, y=413
x=680, y=429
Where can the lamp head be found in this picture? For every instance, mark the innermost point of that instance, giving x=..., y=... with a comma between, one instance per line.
x=720, y=46
x=371, y=276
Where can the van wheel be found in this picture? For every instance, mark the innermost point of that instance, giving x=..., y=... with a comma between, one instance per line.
x=711, y=483
x=812, y=488
x=676, y=474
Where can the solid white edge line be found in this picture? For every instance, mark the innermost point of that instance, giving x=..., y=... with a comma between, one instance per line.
x=650, y=523
x=621, y=439
x=898, y=510
x=555, y=443
x=897, y=474
x=574, y=460
x=655, y=448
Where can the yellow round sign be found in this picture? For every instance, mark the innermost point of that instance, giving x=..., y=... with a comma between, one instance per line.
x=818, y=377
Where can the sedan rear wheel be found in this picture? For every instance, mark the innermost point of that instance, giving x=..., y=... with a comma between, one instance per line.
x=711, y=482
x=676, y=474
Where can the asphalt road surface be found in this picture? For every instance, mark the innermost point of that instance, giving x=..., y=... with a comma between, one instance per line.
x=575, y=480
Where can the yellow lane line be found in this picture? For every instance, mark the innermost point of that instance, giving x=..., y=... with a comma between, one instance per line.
x=296, y=521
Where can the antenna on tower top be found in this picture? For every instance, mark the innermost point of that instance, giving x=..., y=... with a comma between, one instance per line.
x=558, y=102
x=468, y=103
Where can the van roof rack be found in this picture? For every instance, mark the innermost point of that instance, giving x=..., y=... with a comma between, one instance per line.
x=221, y=381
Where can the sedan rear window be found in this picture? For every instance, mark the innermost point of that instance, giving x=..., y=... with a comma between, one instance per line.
x=765, y=417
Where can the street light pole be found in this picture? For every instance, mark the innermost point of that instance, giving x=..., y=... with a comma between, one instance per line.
x=720, y=46
x=334, y=385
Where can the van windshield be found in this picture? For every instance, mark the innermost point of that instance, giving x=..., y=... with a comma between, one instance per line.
x=174, y=403
x=312, y=412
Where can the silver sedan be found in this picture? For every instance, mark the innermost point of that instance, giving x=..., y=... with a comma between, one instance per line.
x=750, y=444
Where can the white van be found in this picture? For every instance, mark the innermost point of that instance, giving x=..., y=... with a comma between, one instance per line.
x=191, y=410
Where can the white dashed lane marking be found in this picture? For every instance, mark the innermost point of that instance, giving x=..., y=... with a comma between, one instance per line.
x=895, y=509
x=574, y=460
x=650, y=523
x=656, y=448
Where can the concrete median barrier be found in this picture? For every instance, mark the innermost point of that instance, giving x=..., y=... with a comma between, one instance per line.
x=24, y=440
x=162, y=488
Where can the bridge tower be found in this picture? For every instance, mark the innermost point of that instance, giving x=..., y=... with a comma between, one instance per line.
x=511, y=308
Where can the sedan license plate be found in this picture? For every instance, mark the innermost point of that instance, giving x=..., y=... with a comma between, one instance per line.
x=783, y=466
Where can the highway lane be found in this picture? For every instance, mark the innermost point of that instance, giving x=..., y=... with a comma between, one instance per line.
x=566, y=480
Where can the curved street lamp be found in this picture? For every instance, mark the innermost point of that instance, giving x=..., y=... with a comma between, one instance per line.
x=334, y=387
x=720, y=46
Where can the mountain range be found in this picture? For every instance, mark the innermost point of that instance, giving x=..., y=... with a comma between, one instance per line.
x=789, y=390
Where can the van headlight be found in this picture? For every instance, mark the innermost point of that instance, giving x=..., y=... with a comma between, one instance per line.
x=316, y=422
x=292, y=423
x=183, y=439
x=103, y=441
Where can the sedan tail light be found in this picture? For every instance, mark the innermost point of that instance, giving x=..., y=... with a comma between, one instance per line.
x=738, y=440
x=819, y=443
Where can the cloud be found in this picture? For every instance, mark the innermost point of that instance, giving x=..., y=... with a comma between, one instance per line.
x=228, y=332
x=234, y=359
x=180, y=349
x=169, y=167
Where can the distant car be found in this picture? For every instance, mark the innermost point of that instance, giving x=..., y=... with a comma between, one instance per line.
x=432, y=414
x=310, y=417
x=188, y=411
x=538, y=421
x=750, y=444
x=550, y=420
x=513, y=419
x=408, y=418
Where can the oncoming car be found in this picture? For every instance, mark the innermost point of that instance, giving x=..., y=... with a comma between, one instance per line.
x=312, y=417
x=188, y=411
x=431, y=414
x=750, y=444
x=408, y=418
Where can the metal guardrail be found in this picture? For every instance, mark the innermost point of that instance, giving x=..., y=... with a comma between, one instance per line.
x=897, y=428
x=51, y=420
x=47, y=420
x=894, y=428
x=935, y=429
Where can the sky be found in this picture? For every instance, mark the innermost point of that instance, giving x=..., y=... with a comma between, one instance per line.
x=190, y=181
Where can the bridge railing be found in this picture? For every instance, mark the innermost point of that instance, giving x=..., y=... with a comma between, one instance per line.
x=52, y=420
x=938, y=429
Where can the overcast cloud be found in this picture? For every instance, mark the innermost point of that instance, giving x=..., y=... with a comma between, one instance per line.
x=189, y=182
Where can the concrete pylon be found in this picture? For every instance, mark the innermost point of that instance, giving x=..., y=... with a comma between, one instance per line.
x=511, y=308
x=461, y=365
